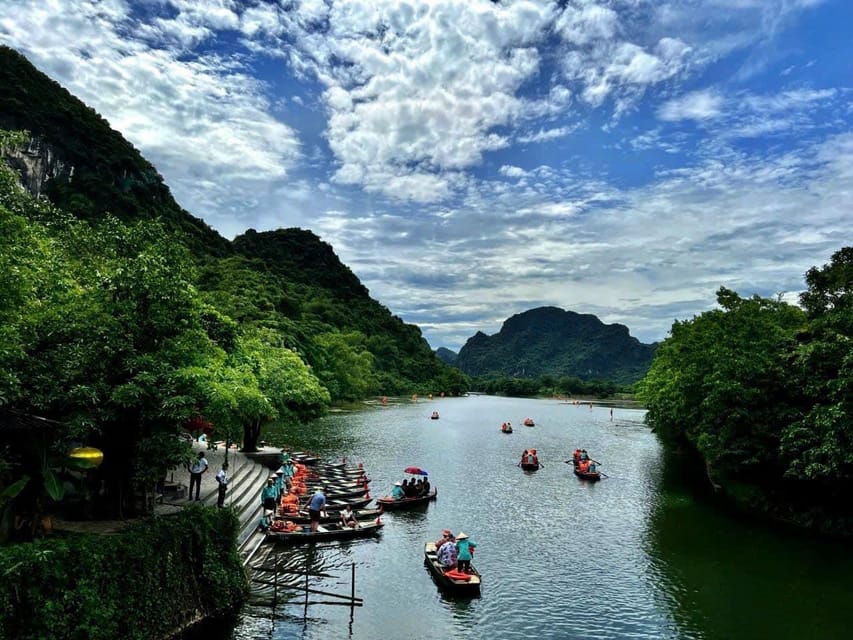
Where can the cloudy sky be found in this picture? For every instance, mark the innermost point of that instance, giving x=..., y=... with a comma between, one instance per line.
x=471, y=159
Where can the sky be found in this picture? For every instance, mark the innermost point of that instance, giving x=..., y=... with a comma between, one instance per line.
x=470, y=160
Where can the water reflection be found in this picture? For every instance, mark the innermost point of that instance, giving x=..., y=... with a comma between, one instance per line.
x=633, y=556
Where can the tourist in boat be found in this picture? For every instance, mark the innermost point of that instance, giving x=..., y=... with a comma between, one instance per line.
x=348, y=518
x=583, y=467
x=576, y=456
x=398, y=493
x=446, y=536
x=419, y=487
x=409, y=488
x=503, y=427
x=584, y=455
x=425, y=487
x=465, y=550
x=524, y=457
x=316, y=505
x=448, y=554
x=531, y=457
x=591, y=466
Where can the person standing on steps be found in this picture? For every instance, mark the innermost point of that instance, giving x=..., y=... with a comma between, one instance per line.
x=222, y=481
x=199, y=467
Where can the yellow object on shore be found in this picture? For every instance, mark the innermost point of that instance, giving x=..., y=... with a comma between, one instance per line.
x=87, y=456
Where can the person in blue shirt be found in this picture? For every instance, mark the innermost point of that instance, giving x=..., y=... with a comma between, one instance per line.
x=269, y=495
x=315, y=506
x=465, y=548
x=397, y=492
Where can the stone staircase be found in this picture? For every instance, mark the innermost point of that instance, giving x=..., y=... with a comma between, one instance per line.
x=246, y=479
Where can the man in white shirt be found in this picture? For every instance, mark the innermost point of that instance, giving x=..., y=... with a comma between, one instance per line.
x=198, y=468
x=222, y=480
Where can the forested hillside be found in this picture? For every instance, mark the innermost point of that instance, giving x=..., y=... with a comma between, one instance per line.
x=554, y=342
x=128, y=320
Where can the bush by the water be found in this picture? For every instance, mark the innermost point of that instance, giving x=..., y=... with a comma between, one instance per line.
x=143, y=583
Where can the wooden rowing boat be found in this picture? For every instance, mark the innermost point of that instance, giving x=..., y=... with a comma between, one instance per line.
x=468, y=587
x=389, y=504
x=338, y=505
x=326, y=532
x=530, y=466
x=362, y=515
x=587, y=475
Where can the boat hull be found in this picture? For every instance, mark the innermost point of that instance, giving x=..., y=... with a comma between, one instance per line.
x=326, y=532
x=592, y=476
x=529, y=467
x=389, y=504
x=361, y=515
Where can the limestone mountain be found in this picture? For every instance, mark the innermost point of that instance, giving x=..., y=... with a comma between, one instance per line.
x=446, y=355
x=288, y=281
x=549, y=340
x=84, y=166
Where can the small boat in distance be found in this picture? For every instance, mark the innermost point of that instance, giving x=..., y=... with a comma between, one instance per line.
x=434, y=415
x=528, y=422
x=506, y=427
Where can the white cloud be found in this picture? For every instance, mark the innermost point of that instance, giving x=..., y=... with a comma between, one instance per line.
x=544, y=135
x=698, y=105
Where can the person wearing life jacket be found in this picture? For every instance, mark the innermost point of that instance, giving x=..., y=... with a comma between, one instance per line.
x=583, y=467
x=524, y=457
x=535, y=457
x=465, y=549
x=576, y=456
x=531, y=457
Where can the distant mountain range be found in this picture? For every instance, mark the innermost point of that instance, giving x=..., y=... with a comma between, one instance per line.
x=549, y=340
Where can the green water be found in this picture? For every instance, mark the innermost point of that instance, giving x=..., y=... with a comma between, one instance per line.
x=636, y=555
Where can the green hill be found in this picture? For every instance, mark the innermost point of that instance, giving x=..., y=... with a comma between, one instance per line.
x=288, y=281
x=555, y=342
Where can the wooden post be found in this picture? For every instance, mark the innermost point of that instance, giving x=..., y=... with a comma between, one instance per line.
x=307, y=566
x=352, y=593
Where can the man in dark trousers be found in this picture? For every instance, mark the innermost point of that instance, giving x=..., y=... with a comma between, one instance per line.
x=198, y=467
x=222, y=480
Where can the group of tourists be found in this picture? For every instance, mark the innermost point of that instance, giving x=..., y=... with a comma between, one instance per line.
x=455, y=552
x=582, y=461
x=413, y=488
x=529, y=457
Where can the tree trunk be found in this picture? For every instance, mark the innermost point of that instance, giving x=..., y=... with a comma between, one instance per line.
x=251, y=434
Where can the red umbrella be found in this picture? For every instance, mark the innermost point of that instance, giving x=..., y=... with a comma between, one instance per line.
x=415, y=471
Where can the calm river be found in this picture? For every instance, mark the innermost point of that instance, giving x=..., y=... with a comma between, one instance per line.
x=633, y=556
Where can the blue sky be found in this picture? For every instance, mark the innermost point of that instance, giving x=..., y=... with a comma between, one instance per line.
x=470, y=160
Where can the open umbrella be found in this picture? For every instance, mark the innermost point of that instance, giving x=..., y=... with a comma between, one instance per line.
x=417, y=471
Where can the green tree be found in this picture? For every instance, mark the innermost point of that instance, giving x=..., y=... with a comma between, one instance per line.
x=721, y=382
x=819, y=445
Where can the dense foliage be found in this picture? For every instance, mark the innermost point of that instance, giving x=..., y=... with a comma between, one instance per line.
x=128, y=320
x=146, y=582
x=548, y=385
x=763, y=390
x=560, y=343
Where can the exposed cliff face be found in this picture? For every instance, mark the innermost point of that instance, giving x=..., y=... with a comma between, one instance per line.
x=37, y=164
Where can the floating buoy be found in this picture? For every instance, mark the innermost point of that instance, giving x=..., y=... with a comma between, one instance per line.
x=87, y=457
